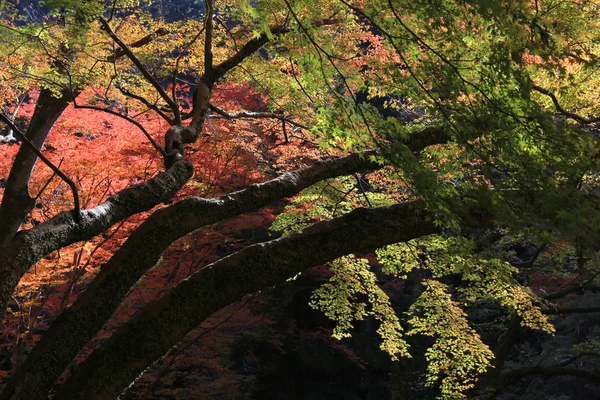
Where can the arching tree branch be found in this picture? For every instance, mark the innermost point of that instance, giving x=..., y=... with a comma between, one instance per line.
x=550, y=371
x=570, y=310
x=246, y=50
x=17, y=202
x=143, y=249
x=138, y=43
x=140, y=252
x=164, y=322
x=31, y=245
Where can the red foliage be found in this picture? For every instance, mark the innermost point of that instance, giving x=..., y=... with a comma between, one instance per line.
x=103, y=154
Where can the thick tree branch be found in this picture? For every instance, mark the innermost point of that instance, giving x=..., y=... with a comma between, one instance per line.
x=199, y=110
x=570, y=310
x=17, y=201
x=550, y=371
x=427, y=137
x=572, y=289
x=577, y=357
x=147, y=75
x=140, y=252
x=256, y=43
x=214, y=73
x=31, y=245
x=143, y=249
x=138, y=43
x=164, y=322
x=246, y=51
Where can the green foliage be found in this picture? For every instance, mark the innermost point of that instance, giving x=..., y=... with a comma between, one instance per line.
x=80, y=10
x=483, y=277
x=441, y=256
x=324, y=200
x=470, y=67
x=494, y=279
x=458, y=355
x=352, y=294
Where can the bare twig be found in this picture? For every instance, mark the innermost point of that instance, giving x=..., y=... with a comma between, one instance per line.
x=165, y=369
x=128, y=119
x=152, y=106
x=57, y=171
x=561, y=110
x=258, y=115
x=79, y=271
x=359, y=181
x=48, y=181
x=106, y=27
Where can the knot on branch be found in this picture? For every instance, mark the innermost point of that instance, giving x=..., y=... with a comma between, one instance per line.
x=201, y=95
x=174, y=140
x=160, y=32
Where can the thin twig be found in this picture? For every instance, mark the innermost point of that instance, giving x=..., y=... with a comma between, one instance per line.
x=561, y=110
x=32, y=147
x=48, y=181
x=174, y=107
x=128, y=119
x=165, y=369
x=258, y=115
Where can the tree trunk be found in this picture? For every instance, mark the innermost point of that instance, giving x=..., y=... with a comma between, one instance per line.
x=17, y=202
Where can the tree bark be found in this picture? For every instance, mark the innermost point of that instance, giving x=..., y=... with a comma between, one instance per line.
x=31, y=245
x=516, y=374
x=143, y=249
x=17, y=202
x=72, y=331
x=160, y=325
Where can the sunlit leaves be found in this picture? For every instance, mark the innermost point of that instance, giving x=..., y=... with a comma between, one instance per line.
x=458, y=355
x=494, y=279
x=434, y=253
x=352, y=294
x=483, y=277
x=326, y=200
x=468, y=66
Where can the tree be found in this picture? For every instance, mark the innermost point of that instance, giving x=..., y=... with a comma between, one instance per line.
x=488, y=128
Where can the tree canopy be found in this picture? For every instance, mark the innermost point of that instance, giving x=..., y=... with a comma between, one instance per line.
x=418, y=140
